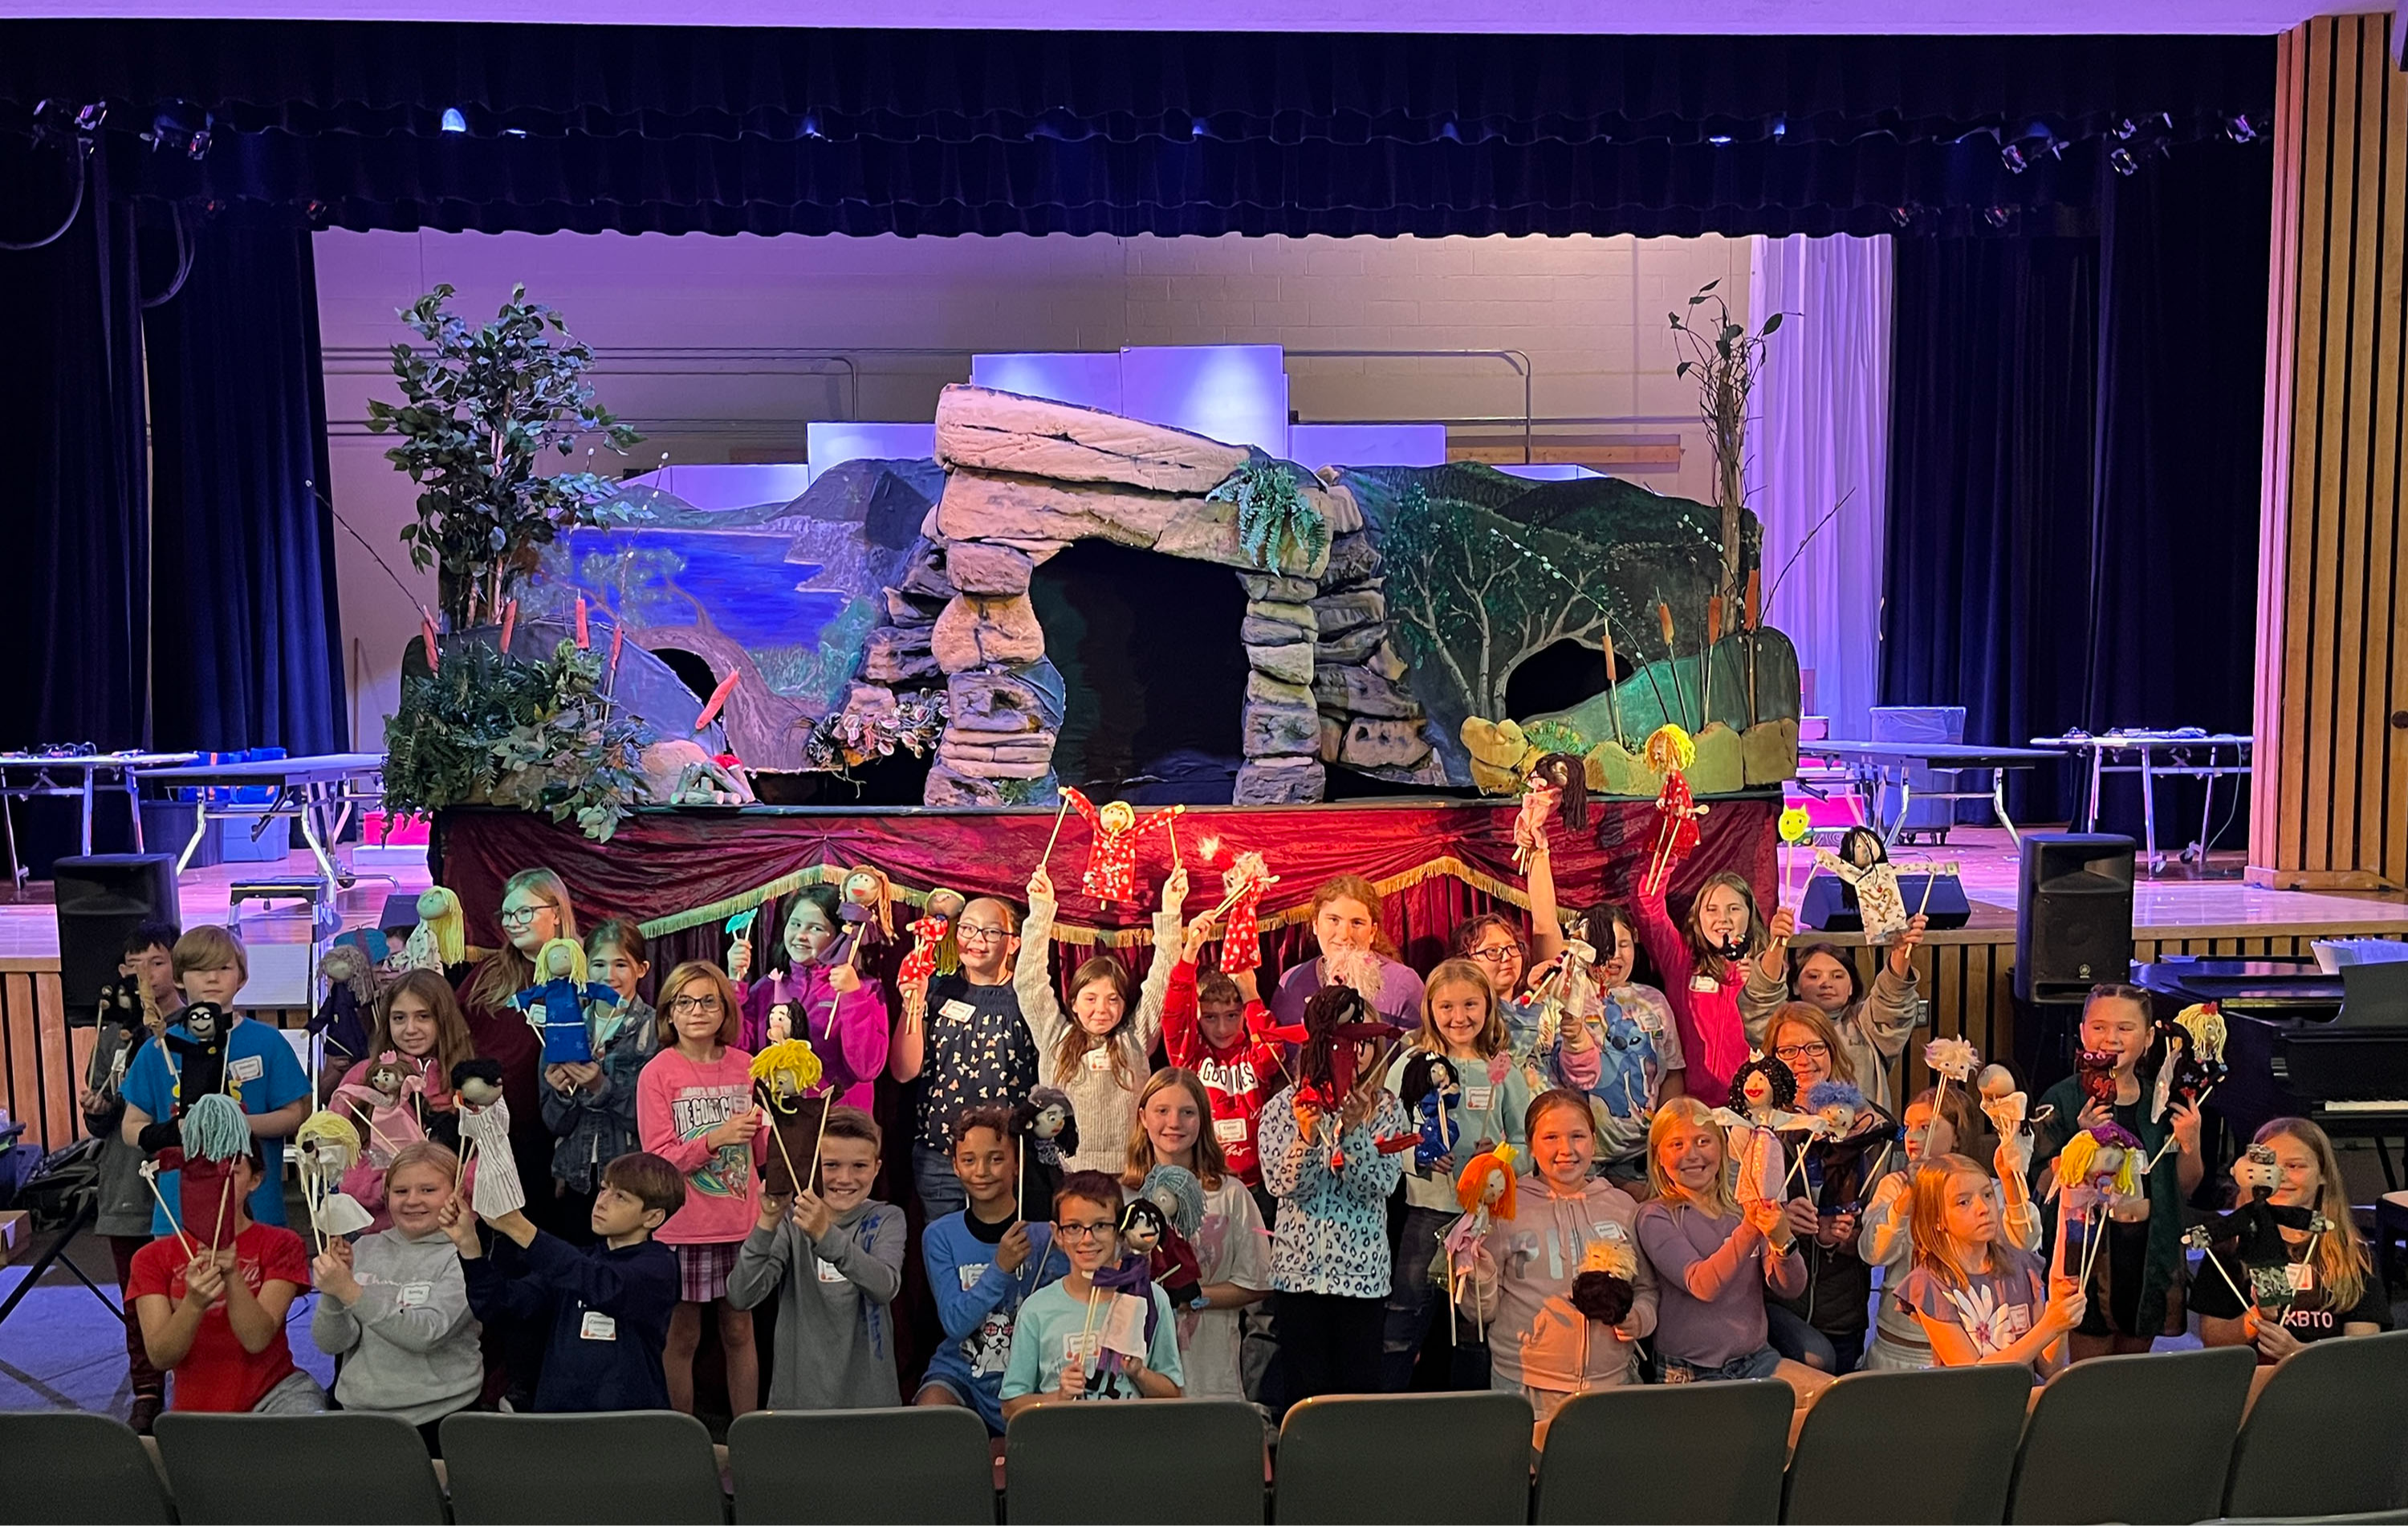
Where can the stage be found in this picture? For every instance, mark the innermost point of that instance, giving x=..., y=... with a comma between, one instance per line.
x=1456, y=854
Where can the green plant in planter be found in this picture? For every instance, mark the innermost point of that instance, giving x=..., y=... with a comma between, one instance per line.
x=1276, y=526
x=480, y=407
x=1725, y=358
x=489, y=730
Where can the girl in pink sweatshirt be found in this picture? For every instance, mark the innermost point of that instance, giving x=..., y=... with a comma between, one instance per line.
x=694, y=1108
x=1704, y=965
x=837, y=1008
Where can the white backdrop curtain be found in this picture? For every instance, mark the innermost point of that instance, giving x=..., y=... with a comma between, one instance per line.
x=1821, y=435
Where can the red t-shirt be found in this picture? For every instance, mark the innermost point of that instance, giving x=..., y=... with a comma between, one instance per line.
x=1239, y=1079
x=218, y=1375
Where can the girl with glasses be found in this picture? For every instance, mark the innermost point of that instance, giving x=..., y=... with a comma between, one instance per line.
x=1872, y=1027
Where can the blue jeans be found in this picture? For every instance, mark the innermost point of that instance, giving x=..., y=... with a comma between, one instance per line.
x=1794, y=1338
x=1763, y=1363
x=932, y=1175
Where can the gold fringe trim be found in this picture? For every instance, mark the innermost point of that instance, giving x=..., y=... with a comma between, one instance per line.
x=1077, y=934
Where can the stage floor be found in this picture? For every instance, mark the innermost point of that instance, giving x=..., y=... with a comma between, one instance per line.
x=2208, y=903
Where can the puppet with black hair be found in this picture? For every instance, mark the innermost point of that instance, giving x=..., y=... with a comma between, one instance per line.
x=125, y=1005
x=1046, y=1129
x=1863, y=864
x=1762, y=1094
x=1143, y=1227
x=196, y=1068
x=1175, y=1190
x=1337, y=1018
x=1567, y=774
x=1432, y=1092
x=1602, y=1289
x=495, y=1188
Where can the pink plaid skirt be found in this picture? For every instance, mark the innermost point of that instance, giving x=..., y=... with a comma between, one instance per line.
x=703, y=1270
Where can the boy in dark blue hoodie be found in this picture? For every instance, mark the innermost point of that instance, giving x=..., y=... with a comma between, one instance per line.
x=610, y=1304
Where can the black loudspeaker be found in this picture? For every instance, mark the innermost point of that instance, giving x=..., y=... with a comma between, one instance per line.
x=2073, y=913
x=1830, y=903
x=100, y=900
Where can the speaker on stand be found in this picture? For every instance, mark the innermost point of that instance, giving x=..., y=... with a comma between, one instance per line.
x=2074, y=930
x=100, y=900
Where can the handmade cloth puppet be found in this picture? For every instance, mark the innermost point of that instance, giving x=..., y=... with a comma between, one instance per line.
x=440, y=939
x=2194, y=1056
x=1337, y=1018
x=1567, y=774
x=495, y=1188
x=932, y=935
x=2094, y=1071
x=1242, y=885
x=1539, y=799
x=197, y=1057
x=1047, y=1128
x=1112, y=860
x=864, y=907
x=125, y=1004
x=1667, y=752
x=2011, y=1113
x=558, y=1008
x=1567, y=994
x=2100, y=1161
x=2252, y=1234
x=341, y=1019
x=388, y=1101
x=1432, y=1092
x=1485, y=1191
x=1175, y=1190
x=1863, y=863
x=329, y=1145
x=214, y=1134
x=1762, y=1092
x=786, y=1084
x=1842, y=1127
x=1143, y=1226
x=1602, y=1289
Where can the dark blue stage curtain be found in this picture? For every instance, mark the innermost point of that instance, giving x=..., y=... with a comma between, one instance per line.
x=801, y=130
x=2073, y=469
x=74, y=614
x=249, y=651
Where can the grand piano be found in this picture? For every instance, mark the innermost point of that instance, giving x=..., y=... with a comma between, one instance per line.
x=2302, y=1043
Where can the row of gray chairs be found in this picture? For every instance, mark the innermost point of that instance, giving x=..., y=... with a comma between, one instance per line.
x=2133, y=1439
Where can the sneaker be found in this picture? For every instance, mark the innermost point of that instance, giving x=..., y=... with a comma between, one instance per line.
x=145, y=1412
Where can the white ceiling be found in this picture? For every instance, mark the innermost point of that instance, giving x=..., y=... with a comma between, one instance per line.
x=1630, y=16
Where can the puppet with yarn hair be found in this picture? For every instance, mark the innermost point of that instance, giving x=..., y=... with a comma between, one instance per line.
x=329, y=1145
x=1337, y=1018
x=440, y=940
x=1485, y=1190
x=1841, y=1127
x=935, y=951
x=213, y=1135
x=1604, y=1287
x=1668, y=753
x=1176, y=1267
x=1046, y=1129
x=493, y=1189
x=1242, y=885
x=1112, y=862
x=342, y=1018
x=385, y=1100
x=1863, y=863
x=786, y=1084
x=1433, y=1094
x=2194, y=1057
x=560, y=1007
x=865, y=908
x=1762, y=1092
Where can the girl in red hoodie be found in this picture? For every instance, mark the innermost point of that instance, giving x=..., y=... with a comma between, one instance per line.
x=1703, y=963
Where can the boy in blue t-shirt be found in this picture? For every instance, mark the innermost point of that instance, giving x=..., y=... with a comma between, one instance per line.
x=982, y=1262
x=1060, y=1341
x=248, y=1061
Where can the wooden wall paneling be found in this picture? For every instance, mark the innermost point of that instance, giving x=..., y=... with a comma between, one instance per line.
x=61, y=1116
x=24, y=1056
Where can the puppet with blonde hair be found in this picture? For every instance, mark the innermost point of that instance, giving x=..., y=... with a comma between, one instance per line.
x=1112, y=862
x=1667, y=752
x=558, y=1007
x=786, y=1078
x=440, y=940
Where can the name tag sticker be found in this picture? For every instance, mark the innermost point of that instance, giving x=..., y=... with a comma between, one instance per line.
x=1477, y=1099
x=828, y=1271
x=1230, y=1130
x=248, y=1068
x=1100, y=1059
x=413, y=1295
x=2302, y=1275
x=1703, y=982
x=971, y=1274
x=597, y=1326
x=959, y=1010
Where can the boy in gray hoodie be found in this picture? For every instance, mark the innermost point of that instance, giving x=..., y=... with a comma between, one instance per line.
x=395, y=1304
x=838, y=1256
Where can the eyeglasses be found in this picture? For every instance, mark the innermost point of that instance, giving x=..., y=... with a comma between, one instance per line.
x=971, y=932
x=1082, y=1231
x=1497, y=954
x=707, y=1002
x=1816, y=1050
x=526, y=915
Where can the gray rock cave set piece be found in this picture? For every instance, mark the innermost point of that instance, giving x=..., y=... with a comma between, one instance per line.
x=1025, y=478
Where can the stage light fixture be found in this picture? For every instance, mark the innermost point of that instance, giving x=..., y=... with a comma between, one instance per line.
x=811, y=126
x=1780, y=129
x=2011, y=156
x=1196, y=128
x=181, y=125
x=2239, y=128
x=1999, y=216
x=454, y=120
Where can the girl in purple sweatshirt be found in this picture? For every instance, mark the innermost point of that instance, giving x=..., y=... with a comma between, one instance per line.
x=837, y=1007
x=1713, y=1258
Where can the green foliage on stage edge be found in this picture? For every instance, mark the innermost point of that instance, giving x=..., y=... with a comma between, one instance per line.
x=480, y=407
x=1276, y=526
x=489, y=730
x=1725, y=358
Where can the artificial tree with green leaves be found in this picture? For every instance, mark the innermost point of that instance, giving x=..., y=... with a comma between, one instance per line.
x=1726, y=357
x=480, y=407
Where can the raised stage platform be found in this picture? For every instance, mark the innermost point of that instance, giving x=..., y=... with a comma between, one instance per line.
x=1444, y=860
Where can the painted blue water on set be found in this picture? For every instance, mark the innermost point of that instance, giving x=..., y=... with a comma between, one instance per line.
x=740, y=576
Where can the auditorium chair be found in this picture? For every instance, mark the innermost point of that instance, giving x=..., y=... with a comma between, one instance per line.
x=934, y=1464
x=1853, y=1434
x=2140, y=1439
x=1714, y=1454
x=77, y=1469
x=1374, y=1460
x=2327, y=1434
x=620, y=1469
x=291, y=1470
x=1202, y=1462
